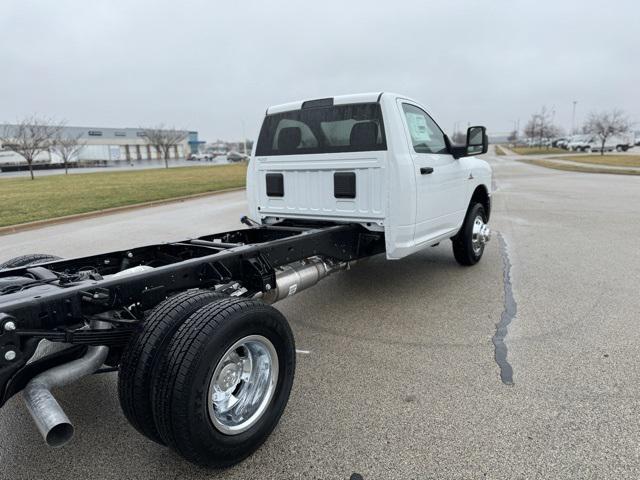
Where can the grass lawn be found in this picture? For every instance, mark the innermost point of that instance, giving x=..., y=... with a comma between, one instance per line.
x=499, y=150
x=606, y=159
x=577, y=168
x=539, y=150
x=24, y=200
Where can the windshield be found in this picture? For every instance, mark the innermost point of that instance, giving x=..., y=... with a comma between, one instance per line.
x=340, y=128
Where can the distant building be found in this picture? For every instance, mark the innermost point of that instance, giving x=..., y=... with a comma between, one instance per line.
x=110, y=145
x=195, y=145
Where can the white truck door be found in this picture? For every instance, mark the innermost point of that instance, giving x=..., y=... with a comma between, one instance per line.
x=441, y=180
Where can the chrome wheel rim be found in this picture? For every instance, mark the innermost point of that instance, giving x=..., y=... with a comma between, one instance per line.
x=479, y=235
x=242, y=384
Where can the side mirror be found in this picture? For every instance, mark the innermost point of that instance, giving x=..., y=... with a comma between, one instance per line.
x=477, y=141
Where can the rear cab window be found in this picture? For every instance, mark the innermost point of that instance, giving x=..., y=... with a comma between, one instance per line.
x=354, y=127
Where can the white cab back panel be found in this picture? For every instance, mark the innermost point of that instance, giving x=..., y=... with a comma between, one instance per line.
x=309, y=186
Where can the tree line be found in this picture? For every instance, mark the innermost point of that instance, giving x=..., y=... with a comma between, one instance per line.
x=35, y=135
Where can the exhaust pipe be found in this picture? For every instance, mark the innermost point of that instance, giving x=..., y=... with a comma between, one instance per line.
x=53, y=424
x=295, y=277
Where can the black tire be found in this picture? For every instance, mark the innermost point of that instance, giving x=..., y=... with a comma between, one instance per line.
x=144, y=351
x=27, y=260
x=180, y=391
x=462, y=243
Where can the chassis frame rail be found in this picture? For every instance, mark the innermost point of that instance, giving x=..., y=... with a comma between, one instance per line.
x=246, y=256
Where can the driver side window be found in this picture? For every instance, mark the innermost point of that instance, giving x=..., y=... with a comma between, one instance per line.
x=426, y=136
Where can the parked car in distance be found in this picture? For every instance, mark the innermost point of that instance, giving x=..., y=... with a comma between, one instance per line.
x=234, y=156
x=537, y=142
x=620, y=143
x=560, y=142
x=625, y=142
x=579, y=143
x=199, y=156
x=595, y=145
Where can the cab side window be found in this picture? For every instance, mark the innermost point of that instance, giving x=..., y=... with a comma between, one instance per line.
x=426, y=136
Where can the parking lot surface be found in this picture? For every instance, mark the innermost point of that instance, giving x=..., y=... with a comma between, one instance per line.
x=401, y=378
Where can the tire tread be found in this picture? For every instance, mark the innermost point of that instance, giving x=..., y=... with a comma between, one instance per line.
x=173, y=383
x=145, y=350
x=29, y=259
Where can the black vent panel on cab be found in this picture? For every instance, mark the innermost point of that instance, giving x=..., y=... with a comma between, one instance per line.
x=275, y=185
x=344, y=185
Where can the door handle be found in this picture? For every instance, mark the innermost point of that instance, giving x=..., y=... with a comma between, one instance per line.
x=426, y=170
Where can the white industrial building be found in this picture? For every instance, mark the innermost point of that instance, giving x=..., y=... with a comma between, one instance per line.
x=108, y=145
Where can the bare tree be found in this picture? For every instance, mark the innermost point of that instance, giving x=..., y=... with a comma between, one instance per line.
x=30, y=137
x=540, y=126
x=606, y=124
x=67, y=147
x=163, y=139
x=531, y=128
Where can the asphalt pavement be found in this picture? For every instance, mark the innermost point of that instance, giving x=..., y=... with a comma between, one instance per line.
x=401, y=379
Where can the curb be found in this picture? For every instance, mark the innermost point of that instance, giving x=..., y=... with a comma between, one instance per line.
x=21, y=227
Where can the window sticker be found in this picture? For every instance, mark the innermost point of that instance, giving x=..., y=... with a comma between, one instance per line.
x=418, y=127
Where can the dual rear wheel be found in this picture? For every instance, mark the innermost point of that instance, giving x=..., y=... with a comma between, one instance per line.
x=208, y=376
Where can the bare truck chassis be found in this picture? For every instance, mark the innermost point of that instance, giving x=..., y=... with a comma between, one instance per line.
x=187, y=324
x=205, y=363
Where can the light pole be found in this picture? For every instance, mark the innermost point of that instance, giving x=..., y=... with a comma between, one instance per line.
x=244, y=139
x=573, y=118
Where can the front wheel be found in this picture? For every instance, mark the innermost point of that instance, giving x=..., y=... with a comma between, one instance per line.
x=468, y=244
x=229, y=372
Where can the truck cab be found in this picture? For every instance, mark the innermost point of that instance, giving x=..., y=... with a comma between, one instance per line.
x=377, y=159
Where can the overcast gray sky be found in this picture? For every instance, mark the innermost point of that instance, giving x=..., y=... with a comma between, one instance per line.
x=212, y=66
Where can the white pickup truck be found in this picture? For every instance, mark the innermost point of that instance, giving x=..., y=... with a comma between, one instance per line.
x=593, y=143
x=377, y=159
x=619, y=143
x=205, y=363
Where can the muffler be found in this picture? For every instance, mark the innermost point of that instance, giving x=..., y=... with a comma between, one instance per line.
x=53, y=424
x=297, y=276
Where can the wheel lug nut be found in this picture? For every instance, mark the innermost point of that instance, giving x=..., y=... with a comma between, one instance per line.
x=10, y=355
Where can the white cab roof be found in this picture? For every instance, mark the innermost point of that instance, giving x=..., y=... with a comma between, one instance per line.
x=338, y=100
